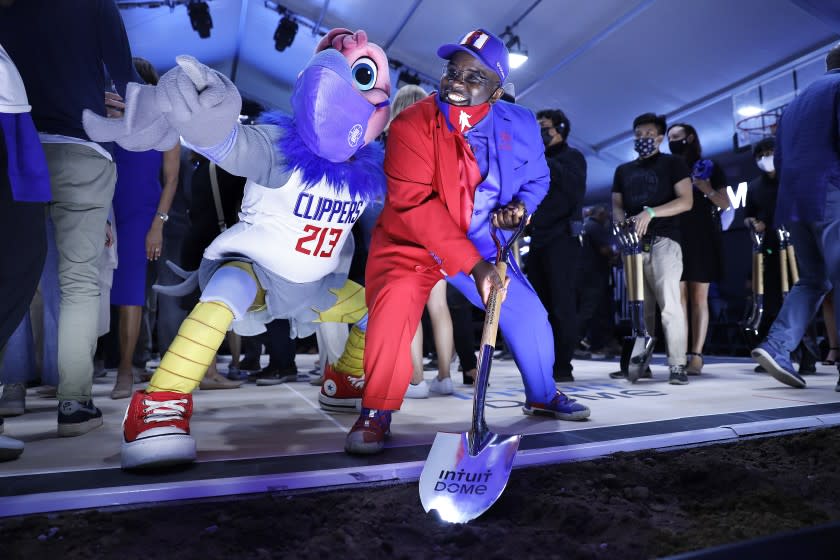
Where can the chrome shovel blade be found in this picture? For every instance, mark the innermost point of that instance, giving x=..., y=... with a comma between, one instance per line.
x=460, y=486
x=640, y=357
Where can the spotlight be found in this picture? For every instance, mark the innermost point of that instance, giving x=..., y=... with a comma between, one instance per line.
x=517, y=55
x=284, y=36
x=200, y=18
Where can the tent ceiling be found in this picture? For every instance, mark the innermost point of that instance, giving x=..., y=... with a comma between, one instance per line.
x=602, y=62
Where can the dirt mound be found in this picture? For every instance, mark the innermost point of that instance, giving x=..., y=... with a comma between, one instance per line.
x=636, y=505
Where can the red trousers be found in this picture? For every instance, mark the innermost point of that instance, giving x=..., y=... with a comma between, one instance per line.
x=397, y=287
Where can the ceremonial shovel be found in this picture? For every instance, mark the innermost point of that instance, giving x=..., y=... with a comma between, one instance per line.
x=753, y=320
x=638, y=347
x=466, y=473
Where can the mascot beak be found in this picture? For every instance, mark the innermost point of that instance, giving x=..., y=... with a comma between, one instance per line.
x=330, y=114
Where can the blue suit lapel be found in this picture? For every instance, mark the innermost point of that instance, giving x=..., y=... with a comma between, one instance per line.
x=503, y=138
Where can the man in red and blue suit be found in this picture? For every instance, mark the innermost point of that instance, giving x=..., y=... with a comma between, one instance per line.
x=455, y=161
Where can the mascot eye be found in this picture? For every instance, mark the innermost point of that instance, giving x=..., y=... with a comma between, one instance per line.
x=364, y=73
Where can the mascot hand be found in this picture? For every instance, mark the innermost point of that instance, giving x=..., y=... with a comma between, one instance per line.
x=143, y=126
x=200, y=103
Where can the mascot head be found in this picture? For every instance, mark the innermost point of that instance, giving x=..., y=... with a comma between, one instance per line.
x=340, y=100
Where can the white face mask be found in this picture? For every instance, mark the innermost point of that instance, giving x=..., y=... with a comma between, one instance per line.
x=766, y=164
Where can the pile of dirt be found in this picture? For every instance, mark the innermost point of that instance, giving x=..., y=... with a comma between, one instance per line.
x=636, y=505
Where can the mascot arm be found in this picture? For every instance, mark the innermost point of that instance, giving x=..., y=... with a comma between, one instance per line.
x=192, y=101
x=251, y=151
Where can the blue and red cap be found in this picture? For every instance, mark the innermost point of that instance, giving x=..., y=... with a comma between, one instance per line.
x=483, y=45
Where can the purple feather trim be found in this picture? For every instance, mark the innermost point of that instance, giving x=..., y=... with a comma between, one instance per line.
x=362, y=174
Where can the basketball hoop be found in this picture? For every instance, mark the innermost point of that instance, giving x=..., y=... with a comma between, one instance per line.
x=752, y=129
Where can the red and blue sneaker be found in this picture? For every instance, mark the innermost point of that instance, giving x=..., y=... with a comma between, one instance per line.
x=560, y=407
x=367, y=436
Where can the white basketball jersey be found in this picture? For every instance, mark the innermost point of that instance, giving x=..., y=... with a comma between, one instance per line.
x=295, y=233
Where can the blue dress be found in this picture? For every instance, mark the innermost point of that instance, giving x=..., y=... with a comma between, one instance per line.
x=136, y=197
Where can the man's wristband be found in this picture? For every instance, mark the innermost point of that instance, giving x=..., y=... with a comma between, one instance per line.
x=650, y=211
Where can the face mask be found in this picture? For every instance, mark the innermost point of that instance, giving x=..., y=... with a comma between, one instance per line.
x=464, y=118
x=334, y=135
x=645, y=146
x=678, y=147
x=766, y=164
x=546, y=136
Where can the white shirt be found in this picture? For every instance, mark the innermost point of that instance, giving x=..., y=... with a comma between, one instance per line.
x=12, y=93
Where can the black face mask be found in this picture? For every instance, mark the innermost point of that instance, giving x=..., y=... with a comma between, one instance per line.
x=678, y=147
x=546, y=136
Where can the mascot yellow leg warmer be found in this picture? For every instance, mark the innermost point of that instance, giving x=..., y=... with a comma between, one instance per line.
x=343, y=383
x=349, y=308
x=231, y=291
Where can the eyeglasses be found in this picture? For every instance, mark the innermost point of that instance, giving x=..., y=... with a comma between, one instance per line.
x=470, y=77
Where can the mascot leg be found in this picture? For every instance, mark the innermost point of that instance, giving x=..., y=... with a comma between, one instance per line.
x=156, y=429
x=344, y=381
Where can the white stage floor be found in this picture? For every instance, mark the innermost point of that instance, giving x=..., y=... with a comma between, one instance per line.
x=256, y=439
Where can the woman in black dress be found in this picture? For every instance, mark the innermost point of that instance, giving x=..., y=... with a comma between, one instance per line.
x=700, y=237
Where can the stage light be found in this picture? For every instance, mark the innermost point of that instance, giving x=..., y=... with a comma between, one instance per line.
x=516, y=54
x=285, y=34
x=749, y=111
x=200, y=18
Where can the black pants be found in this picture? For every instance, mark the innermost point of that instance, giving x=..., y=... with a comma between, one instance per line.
x=592, y=289
x=461, y=311
x=281, y=349
x=23, y=230
x=552, y=270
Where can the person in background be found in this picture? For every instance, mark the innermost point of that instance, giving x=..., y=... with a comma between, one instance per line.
x=807, y=159
x=593, y=285
x=24, y=192
x=654, y=190
x=700, y=238
x=759, y=214
x=62, y=50
x=555, y=247
x=141, y=210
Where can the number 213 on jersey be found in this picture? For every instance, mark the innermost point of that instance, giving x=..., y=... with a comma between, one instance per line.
x=318, y=241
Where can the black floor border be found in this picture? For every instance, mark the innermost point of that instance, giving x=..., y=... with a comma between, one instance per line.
x=29, y=484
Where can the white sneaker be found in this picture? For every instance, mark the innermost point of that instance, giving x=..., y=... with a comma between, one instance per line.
x=441, y=386
x=419, y=391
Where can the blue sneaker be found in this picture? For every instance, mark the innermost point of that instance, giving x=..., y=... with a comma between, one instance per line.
x=560, y=407
x=777, y=364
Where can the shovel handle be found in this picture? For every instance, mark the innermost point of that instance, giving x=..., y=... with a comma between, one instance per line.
x=794, y=268
x=494, y=304
x=783, y=270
